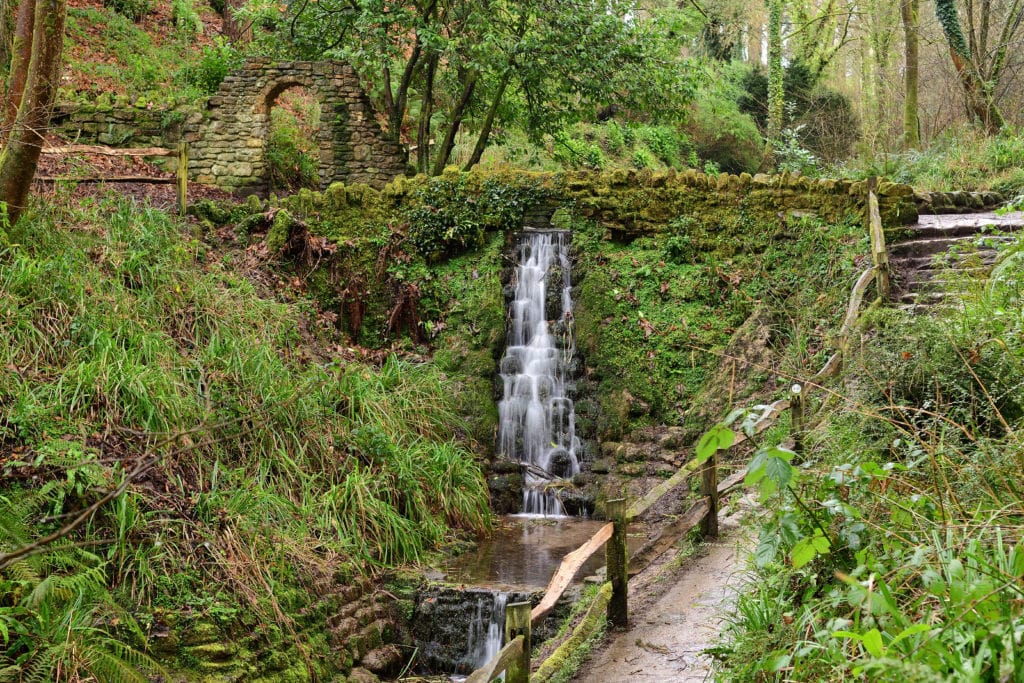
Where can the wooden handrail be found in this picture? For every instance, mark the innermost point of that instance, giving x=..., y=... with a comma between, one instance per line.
x=567, y=570
x=180, y=179
x=111, y=151
x=500, y=663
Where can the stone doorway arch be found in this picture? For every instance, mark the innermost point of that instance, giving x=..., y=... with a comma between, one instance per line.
x=229, y=149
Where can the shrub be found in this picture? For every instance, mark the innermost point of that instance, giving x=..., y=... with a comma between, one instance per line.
x=132, y=9
x=216, y=63
x=292, y=151
x=186, y=19
x=642, y=158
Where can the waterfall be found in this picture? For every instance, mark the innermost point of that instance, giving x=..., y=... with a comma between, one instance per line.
x=487, y=629
x=536, y=420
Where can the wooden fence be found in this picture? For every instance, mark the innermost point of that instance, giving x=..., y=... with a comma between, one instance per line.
x=514, y=659
x=181, y=178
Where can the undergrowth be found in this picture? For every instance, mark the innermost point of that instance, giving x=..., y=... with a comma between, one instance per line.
x=241, y=461
x=892, y=548
x=960, y=159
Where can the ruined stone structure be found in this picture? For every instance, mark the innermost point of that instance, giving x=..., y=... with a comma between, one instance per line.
x=228, y=148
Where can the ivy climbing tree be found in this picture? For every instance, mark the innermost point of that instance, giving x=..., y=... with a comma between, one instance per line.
x=776, y=89
x=979, y=61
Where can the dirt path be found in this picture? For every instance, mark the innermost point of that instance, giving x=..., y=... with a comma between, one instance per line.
x=675, y=615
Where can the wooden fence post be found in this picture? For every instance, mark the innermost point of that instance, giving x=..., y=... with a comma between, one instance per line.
x=182, y=177
x=796, y=418
x=616, y=561
x=517, y=623
x=709, y=489
x=879, y=254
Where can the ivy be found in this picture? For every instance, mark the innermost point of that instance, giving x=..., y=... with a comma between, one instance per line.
x=945, y=11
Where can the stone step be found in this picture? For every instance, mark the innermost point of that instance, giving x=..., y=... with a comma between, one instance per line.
x=940, y=261
x=929, y=298
x=946, y=225
x=944, y=278
x=936, y=245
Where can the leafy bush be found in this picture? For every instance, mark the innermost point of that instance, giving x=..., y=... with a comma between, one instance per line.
x=293, y=152
x=642, y=158
x=186, y=19
x=217, y=62
x=925, y=447
x=131, y=9
x=447, y=215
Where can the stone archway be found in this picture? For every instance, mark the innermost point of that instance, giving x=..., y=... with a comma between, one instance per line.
x=229, y=149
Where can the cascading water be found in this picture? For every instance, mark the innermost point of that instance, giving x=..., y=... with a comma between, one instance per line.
x=537, y=423
x=487, y=630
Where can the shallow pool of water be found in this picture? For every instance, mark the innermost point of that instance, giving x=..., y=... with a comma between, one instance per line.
x=524, y=552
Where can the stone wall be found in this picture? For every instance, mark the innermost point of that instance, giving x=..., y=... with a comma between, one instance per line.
x=120, y=124
x=228, y=150
x=636, y=203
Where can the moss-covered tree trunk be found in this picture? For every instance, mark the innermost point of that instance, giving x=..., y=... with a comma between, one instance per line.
x=21, y=56
x=20, y=155
x=911, y=124
x=978, y=81
x=776, y=88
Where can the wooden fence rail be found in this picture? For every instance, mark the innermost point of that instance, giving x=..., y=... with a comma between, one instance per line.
x=614, y=593
x=181, y=178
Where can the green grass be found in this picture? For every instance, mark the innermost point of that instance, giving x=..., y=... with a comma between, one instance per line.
x=960, y=159
x=913, y=477
x=123, y=338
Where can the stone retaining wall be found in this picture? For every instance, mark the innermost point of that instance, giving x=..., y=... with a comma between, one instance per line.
x=122, y=124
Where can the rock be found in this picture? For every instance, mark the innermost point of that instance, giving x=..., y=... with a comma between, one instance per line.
x=361, y=675
x=602, y=466
x=632, y=469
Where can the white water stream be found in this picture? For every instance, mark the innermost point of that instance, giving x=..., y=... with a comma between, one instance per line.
x=537, y=422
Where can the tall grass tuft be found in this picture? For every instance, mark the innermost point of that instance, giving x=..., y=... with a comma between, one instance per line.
x=120, y=339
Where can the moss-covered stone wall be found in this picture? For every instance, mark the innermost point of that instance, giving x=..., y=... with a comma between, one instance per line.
x=669, y=267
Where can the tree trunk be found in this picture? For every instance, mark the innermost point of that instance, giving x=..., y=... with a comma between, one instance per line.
x=20, y=156
x=911, y=124
x=21, y=56
x=776, y=91
x=400, y=100
x=485, y=131
x=426, y=112
x=8, y=17
x=236, y=31
x=445, y=153
x=979, y=100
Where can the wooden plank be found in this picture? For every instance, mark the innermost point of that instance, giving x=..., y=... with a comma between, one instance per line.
x=642, y=505
x=111, y=179
x=588, y=625
x=494, y=668
x=567, y=570
x=182, y=177
x=709, y=489
x=617, y=562
x=110, y=151
x=668, y=537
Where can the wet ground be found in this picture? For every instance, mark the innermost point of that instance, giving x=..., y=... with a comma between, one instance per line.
x=675, y=615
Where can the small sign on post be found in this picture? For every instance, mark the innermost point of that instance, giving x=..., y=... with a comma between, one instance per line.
x=796, y=417
x=616, y=560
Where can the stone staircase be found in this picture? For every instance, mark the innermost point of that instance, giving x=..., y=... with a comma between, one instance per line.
x=932, y=268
